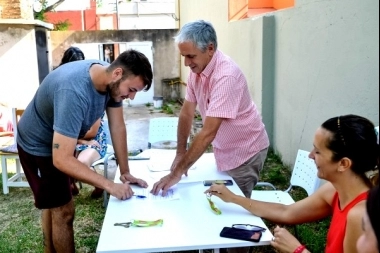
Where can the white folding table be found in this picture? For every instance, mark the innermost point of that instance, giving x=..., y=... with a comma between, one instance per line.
x=188, y=222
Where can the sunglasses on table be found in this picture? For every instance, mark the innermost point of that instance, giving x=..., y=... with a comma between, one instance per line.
x=249, y=227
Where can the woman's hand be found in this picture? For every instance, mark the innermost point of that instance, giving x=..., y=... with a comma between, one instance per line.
x=284, y=241
x=221, y=191
x=93, y=143
x=88, y=142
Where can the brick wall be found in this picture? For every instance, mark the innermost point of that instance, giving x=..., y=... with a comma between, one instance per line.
x=16, y=9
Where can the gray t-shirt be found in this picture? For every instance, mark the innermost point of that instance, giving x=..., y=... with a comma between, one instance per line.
x=65, y=102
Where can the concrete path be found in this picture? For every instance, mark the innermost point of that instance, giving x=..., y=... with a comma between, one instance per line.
x=137, y=123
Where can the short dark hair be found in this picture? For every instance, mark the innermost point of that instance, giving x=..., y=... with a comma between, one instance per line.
x=72, y=54
x=134, y=63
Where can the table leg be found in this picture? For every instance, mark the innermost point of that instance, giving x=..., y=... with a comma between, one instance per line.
x=4, y=174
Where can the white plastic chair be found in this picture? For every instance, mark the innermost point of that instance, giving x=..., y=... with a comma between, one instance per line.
x=162, y=129
x=304, y=175
x=10, y=152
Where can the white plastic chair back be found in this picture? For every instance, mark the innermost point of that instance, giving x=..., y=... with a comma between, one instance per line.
x=162, y=129
x=305, y=173
x=16, y=115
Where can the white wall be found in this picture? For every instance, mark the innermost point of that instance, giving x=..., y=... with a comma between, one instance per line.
x=327, y=64
x=305, y=64
x=157, y=14
x=18, y=64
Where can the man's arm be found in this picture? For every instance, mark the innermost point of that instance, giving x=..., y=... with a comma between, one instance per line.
x=199, y=145
x=64, y=160
x=119, y=141
x=183, y=161
x=185, y=123
x=119, y=136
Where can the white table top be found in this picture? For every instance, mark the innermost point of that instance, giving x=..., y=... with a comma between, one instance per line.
x=189, y=223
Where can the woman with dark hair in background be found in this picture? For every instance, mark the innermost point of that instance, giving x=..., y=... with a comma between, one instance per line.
x=345, y=149
x=72, y=54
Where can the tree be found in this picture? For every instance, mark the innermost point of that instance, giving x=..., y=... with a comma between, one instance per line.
x=53, y=6
x=60, y=25
x=46, y=8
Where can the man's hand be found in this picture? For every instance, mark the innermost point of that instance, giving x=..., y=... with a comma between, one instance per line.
x=177, y=158
x=128, y=178
x=165, y=183
x=121, y=191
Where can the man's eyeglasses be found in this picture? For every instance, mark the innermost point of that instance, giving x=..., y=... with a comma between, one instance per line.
x=249, y=227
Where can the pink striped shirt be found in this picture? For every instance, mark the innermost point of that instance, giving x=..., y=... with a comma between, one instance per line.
x=221, y=91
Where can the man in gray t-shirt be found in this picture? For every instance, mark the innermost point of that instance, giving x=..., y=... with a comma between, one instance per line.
x=68, y=102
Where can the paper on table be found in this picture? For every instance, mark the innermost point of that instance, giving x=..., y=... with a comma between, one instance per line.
x=197, y=175
x=172, y=194
x=163, y=166
x=163, y=161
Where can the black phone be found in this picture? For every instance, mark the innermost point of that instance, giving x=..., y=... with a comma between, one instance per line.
x=210, y=182
x=241, y=234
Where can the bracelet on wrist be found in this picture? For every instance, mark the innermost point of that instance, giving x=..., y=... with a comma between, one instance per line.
x=299, y=249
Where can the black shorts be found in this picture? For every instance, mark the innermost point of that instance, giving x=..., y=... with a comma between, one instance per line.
x=51, y=187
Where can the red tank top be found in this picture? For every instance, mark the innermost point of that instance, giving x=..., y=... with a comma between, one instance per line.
x=337, y=229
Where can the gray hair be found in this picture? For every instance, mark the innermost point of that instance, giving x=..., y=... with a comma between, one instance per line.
x=201, y=33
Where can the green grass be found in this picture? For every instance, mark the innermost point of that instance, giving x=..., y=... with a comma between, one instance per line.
x=20, y=229
x=20, y=221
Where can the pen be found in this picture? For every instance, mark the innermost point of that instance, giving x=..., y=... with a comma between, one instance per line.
x=139, y=196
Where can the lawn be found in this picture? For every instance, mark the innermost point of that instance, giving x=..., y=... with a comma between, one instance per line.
x=20, y=229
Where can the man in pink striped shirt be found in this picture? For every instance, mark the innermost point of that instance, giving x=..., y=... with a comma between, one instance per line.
x=230, y=118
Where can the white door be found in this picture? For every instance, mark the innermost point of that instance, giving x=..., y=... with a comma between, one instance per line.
x=90, y=50
x=144, y=47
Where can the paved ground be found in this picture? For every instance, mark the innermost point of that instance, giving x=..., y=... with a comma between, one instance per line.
x=137, y=123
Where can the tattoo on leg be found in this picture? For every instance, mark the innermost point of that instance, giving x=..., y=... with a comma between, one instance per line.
x=56, y=145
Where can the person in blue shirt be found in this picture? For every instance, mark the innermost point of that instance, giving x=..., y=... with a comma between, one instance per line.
x=68, y=102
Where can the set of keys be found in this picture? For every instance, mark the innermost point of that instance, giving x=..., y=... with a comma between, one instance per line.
x=140, y=223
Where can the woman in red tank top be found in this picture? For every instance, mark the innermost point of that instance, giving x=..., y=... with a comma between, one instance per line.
x=345, y=149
